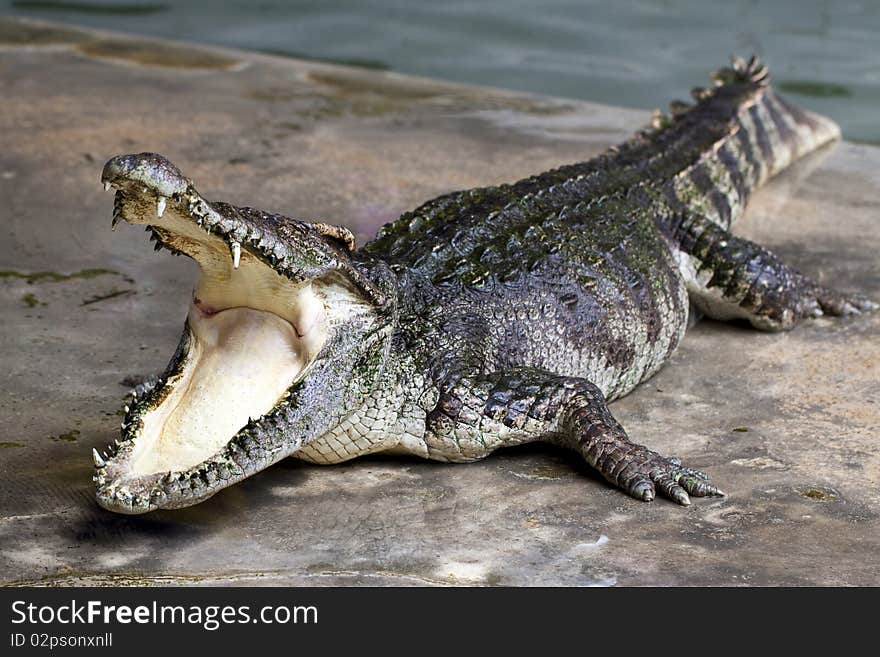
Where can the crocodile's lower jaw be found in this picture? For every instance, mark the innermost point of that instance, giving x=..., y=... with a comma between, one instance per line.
x=240, y=363
x=250, y=335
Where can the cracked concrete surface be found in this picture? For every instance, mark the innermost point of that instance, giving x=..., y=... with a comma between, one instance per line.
x=786, y=424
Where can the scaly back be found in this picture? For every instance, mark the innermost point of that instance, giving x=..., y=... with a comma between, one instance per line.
x=707, y=156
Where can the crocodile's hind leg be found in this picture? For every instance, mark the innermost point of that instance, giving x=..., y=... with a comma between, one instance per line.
x=475, y=416
x=732, y=278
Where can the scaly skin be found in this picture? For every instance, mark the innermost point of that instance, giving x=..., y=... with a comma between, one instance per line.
x=515, y=313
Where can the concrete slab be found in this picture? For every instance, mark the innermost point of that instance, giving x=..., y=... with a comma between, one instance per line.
x=787, y=424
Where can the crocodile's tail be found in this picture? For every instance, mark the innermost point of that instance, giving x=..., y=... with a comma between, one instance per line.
x=747, y=134
x=776, y=132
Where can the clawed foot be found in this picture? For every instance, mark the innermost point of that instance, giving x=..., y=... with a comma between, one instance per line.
x=831, y=302
x=798, y=297
x=651, y=472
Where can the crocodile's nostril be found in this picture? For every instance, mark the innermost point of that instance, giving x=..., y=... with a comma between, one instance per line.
x=115, y=169
x=150, y=169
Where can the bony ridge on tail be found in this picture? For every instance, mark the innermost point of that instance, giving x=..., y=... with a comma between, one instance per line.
x=483, y=318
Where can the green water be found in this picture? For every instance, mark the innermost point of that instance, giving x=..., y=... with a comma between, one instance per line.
x=638, y=53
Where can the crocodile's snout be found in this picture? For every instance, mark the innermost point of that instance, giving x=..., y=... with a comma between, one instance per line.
x=149, y=169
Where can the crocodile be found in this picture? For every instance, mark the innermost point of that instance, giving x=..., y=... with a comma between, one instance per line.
x=482, y=319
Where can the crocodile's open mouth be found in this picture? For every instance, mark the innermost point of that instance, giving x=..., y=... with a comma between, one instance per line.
x=252, y=331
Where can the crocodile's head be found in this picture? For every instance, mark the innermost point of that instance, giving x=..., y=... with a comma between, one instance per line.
x=286, y=335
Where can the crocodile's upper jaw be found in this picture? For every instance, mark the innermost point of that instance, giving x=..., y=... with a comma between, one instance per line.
x=251, y=333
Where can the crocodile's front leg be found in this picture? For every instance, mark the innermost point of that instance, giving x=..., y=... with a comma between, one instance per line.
x=475, y=415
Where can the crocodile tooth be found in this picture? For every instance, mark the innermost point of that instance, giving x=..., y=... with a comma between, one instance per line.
x=99, y=462
x=106, y=186
x=160, y=206
x=236, y=254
